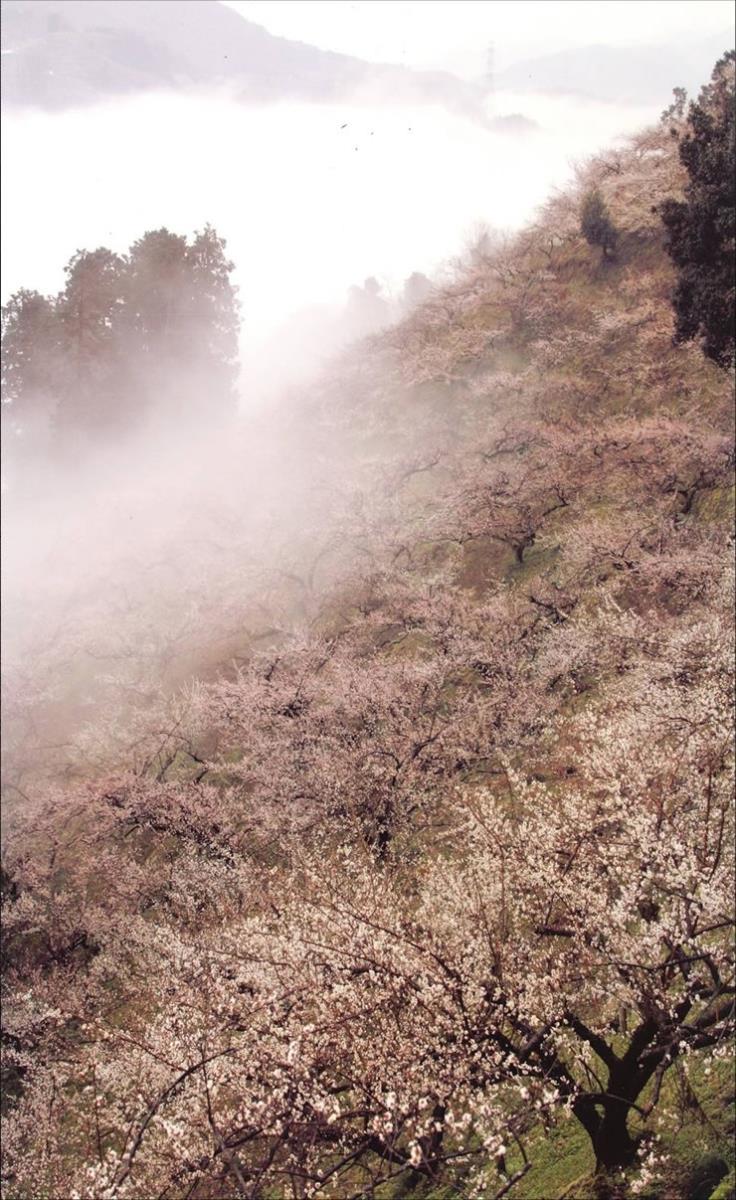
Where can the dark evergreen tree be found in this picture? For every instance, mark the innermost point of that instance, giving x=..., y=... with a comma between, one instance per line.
x=32, y=375
x=89, y=310
x=158, y=296
x=417, y=289
x=31, y=362
x=156, y=330
x=182, y=320
x=596, y=225
x=701, y=229
x=213, y=315
x=367, y=310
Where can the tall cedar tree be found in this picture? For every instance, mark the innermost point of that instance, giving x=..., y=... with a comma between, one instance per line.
x=181, y=319
x=90, y=389
x=151, y=331
x=31, y=360
x=701, y=229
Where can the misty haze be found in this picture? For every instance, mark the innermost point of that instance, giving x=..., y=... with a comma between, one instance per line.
x=368, y=526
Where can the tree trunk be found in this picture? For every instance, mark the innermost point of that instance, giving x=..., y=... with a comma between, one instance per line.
x=614, y=1147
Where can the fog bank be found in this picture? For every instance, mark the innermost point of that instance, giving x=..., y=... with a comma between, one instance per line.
x=311, y=198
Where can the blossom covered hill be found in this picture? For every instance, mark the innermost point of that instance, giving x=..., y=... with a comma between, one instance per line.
x=406, y=849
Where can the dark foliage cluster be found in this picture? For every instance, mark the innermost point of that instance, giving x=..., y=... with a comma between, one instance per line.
x=128, y=336
x=701, y=229
x=596, y=225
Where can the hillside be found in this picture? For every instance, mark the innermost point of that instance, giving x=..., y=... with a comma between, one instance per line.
x=395, y=858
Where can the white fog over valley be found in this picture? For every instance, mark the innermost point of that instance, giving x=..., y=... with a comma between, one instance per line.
x=311, y=198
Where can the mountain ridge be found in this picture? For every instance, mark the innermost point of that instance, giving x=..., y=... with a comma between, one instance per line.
x=62, y=53
x=618, y=74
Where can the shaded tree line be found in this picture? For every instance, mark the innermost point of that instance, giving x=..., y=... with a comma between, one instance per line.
x=701, y=228
x=153, y=330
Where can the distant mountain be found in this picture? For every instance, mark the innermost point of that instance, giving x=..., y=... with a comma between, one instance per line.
x=631, y=74
x=63, y=53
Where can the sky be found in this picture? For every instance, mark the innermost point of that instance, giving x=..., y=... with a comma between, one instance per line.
x=453, y=35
